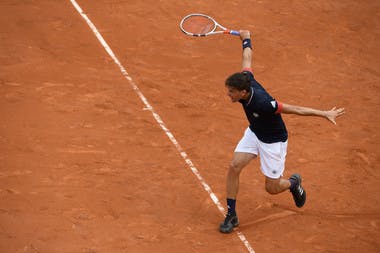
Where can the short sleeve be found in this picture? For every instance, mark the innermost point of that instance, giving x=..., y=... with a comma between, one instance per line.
x=247, y=70
x=270, y=106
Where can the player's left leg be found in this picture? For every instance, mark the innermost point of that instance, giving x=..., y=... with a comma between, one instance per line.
x=276, y=185
x=272, y=161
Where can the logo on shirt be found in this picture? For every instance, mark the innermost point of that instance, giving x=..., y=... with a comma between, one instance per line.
x=255, y=115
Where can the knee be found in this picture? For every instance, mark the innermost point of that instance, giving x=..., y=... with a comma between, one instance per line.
x=234, y=168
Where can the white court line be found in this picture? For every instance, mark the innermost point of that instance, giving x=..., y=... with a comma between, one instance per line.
x=159, y=121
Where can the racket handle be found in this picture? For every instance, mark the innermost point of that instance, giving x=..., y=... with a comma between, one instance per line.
x=233, y=32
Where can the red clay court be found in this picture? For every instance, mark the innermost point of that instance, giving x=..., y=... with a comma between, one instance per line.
x=86, y=167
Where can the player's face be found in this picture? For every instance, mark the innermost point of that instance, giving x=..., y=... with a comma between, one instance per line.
x=235, y=94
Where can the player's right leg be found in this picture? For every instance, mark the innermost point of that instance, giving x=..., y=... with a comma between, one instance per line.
x=239, y=161
x=245, y=151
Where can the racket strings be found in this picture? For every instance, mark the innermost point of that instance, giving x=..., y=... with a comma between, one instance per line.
x=198, y=25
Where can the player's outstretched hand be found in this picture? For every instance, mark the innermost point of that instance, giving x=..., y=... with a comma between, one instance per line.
x=244, y=34
x=334, y=113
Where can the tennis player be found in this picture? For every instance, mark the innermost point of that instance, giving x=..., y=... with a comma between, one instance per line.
x=266, y=136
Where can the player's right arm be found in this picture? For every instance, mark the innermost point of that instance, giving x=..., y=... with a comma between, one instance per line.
x=247, y=52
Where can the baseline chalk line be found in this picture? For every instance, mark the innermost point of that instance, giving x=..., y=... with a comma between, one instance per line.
x=158, y=119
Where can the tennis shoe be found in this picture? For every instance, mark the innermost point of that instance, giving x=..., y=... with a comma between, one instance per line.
x=229, y=223
x=298, y=192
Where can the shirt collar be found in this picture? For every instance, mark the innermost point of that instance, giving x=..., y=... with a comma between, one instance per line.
x=250, y=98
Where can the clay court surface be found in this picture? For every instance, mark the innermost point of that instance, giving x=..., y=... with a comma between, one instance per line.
x=85, y=167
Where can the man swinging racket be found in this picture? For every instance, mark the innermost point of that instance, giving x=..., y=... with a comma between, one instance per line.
x=266, y=136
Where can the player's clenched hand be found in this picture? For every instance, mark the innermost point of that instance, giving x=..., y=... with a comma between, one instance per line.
x=333, y=114
x=244, y=34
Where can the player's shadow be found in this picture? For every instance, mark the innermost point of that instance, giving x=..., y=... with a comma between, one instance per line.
x=276, y=212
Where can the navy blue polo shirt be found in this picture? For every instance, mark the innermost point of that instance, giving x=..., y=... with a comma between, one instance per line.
x=264, y=113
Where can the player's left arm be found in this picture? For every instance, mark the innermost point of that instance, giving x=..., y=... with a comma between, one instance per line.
x=330, y=115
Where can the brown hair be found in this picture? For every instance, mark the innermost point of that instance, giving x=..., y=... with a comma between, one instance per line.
x=238, y=81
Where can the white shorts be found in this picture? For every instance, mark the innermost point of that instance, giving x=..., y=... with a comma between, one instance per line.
x=272, y=155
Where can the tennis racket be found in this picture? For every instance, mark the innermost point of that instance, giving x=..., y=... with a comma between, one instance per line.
x=201, y=25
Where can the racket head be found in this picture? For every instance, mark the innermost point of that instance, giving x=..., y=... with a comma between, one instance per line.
x=197, y=24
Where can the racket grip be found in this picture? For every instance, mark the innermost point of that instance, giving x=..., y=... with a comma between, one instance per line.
x=233, y=32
